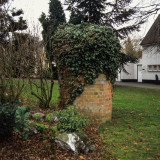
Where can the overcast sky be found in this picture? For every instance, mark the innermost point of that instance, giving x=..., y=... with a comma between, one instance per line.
x=33, y=9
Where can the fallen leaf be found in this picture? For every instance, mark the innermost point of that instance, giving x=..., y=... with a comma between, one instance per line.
x=81, y=157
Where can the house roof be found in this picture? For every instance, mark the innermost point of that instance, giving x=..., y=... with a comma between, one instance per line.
x=153, y=35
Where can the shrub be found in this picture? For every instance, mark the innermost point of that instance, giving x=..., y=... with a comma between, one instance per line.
x=4, y=96
x=37, y=117
x=13, y=118
x=70, y=120
x=42, y=128
x=49, y=117
x=21, y=121
x=7, y=119
x=54, y=130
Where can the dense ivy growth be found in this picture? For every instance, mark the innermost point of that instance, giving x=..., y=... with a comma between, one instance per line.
x=87, y=50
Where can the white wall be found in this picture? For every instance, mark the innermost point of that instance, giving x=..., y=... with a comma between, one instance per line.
x=130, y=69
x=150, y=56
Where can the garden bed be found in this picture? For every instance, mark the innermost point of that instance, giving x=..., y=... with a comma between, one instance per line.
x=133, y=133
x=38, y=147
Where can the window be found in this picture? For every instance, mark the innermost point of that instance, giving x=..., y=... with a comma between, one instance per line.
x=149, y=68
x=154, y=68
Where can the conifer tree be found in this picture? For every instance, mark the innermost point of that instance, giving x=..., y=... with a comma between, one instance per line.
x=76, y=18
x=132, y=47
x=87, y=10
x=50, y=23
x=8, y=24
x=117, y=14
x=129, y=49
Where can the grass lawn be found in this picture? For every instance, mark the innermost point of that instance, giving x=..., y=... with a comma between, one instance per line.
x=134, y=133
x=32, y=99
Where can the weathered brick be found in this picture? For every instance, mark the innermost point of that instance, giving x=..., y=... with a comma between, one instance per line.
x=97, y=100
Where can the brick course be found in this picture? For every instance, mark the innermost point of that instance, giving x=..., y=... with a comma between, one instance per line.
x=96, y=100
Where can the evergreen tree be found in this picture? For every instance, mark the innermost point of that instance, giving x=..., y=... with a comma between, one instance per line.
x=8, y=24
x=50, y=23
x=76, y=18
x=129, y=47
x=87, y=10
x=117, y=14
x=132, y=47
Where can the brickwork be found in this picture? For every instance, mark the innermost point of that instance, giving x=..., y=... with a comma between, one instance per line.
x=96, y=100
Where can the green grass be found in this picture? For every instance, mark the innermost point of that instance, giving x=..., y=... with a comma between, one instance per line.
x=26, y=94
x=134, y=132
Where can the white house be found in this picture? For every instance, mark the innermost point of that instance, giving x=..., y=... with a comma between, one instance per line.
x=133, y=75
x=148, y=68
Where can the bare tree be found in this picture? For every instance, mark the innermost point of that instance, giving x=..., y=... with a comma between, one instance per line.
x=10, y=89
x=44, y=73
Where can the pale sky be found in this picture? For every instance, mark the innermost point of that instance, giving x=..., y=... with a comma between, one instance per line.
x=33, y=9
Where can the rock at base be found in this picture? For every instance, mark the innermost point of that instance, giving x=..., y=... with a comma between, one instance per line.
x=72, y=142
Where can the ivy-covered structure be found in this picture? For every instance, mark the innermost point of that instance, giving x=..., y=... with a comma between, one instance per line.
x=84, y=53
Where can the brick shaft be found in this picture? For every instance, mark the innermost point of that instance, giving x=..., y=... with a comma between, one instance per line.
x=96, y=100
